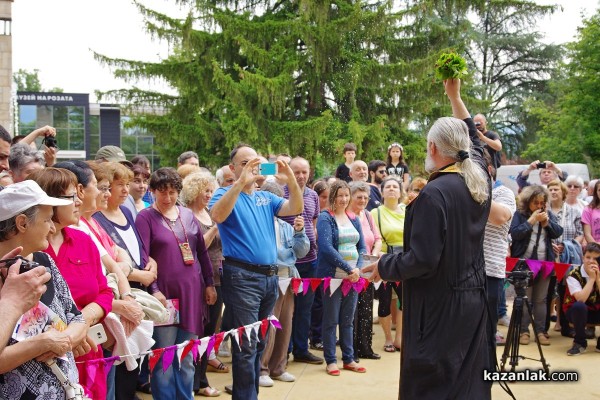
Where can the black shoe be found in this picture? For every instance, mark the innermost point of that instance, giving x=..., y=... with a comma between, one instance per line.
x=229, y=389
x=309, y=358
x=372, y=356
x=144, y=388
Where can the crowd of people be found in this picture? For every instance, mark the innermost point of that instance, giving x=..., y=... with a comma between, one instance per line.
x=110, y=246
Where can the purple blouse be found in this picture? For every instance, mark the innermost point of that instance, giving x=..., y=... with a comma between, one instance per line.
x=175, y=279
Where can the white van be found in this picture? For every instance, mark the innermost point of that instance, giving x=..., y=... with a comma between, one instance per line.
x=507, y=174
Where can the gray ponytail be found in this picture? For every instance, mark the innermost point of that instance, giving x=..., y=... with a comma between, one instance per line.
x=451, y=136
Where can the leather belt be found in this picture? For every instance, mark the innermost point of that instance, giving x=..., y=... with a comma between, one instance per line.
x=267, y=270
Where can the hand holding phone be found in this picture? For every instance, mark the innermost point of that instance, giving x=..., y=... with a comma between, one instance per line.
x=97, y=334
x=267, y=169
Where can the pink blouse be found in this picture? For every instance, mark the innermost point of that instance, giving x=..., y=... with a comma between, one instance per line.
x=370, y=230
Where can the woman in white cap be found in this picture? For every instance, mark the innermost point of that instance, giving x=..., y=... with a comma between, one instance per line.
x=26, y=221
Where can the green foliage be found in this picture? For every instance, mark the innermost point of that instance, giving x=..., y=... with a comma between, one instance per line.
x=450, y=66
x=27, y=81
x=569, y=121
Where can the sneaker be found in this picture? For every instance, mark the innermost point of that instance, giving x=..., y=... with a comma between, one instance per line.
x=317, y=346
x=500, y=340
x=265, y=381
x=224, y=350
x=504, y=321
x=285, y=377
x=309, y=358
x=543, y=339
x=576, y=350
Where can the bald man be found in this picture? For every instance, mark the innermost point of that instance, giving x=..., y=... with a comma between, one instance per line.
x=490, y=139
x=359, y=172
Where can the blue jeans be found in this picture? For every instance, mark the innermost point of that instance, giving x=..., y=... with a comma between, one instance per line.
x=502, y=310
x=302, y=307
x=175, y=383
x=339, y=310
x=248, y=297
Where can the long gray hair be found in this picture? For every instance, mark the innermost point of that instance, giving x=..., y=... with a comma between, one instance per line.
x=450, y=136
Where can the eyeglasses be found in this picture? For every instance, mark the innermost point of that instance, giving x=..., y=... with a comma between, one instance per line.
x=573, y=186
x=104, y=189
x=71, y=197
x=382, y=172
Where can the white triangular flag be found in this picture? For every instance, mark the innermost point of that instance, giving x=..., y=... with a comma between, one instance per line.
x=234, y=334
x=284, y=284
x=180, y=348
x=334, y=284
x=202, y=347
x=255, y=328
x=248, y=330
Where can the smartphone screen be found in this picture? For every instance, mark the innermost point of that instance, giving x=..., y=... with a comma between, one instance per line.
x=267, y=169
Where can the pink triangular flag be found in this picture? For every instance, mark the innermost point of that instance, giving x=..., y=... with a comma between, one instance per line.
x=305, y=285
x=547, y=268
x=109, y=363
x=358, y=286
x=91, y=370
x=326, y=283
x=275, y=322
x=168, y=356
x=211, y=344
x=284, y=284
x=346, y=286
x=534, y=266
x=334, y=284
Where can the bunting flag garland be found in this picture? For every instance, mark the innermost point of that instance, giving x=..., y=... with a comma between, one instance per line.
x=284, y=283
x=334, y=284
x=539, y=266
x=314, y=283
x=197, y=347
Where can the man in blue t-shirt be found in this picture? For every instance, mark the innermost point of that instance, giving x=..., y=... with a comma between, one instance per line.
x=250, y=283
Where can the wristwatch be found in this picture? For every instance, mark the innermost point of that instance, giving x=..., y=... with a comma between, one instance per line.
x=133, y=296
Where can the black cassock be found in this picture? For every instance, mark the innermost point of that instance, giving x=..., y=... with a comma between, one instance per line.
x=442, y=269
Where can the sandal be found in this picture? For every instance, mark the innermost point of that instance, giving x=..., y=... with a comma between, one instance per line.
x=221, y=368
x=208, y=392
x=355, y=368
x=389, y=348
x=334, y=371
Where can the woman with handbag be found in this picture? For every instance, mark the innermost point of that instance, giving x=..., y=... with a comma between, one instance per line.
x=532, y=230
x=389, y=218
x=174, y=239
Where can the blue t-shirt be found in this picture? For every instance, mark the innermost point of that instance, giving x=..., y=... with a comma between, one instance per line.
x=248, y=233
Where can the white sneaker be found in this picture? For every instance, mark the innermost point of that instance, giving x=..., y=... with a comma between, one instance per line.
x=224, y=350
x=265, y=381
x=505, y=321
x=285, y=377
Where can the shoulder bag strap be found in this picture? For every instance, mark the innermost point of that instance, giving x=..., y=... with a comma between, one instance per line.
x=379, y=223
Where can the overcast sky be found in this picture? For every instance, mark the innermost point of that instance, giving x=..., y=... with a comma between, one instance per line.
x=57, y=37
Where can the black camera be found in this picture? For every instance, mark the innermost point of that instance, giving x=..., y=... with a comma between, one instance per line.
x=26, y=265
x=521, y=277
x=50, y=141
x=541, y=165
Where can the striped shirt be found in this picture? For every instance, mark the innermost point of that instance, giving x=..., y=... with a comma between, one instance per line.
x=310, y=213
x=495, y=244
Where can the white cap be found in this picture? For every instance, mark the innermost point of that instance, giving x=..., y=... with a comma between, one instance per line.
x=18, y=197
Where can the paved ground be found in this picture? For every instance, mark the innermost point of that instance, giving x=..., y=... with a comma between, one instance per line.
x=381, y=379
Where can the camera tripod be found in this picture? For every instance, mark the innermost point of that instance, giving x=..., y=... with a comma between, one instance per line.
x=511, y=349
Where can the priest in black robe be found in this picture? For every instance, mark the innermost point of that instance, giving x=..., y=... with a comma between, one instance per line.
x=442, y=270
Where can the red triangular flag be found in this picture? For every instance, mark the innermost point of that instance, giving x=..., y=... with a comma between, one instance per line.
x=560, y=269
x=218, y=340
x=314, y=283
x=296, y=285
x=188, y=347
x=153, y=359
x=241, y=331
x=264, y=325
x=510, y=263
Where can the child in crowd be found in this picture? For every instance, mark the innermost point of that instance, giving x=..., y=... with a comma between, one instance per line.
x=343, y=170
x=582, y=301
x=396, y=164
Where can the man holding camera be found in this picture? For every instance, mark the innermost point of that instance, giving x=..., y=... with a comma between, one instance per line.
x=548, y=172
x=490, y=139
x=244, y=217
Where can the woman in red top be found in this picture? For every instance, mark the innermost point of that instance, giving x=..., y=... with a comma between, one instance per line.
x=78, y=261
